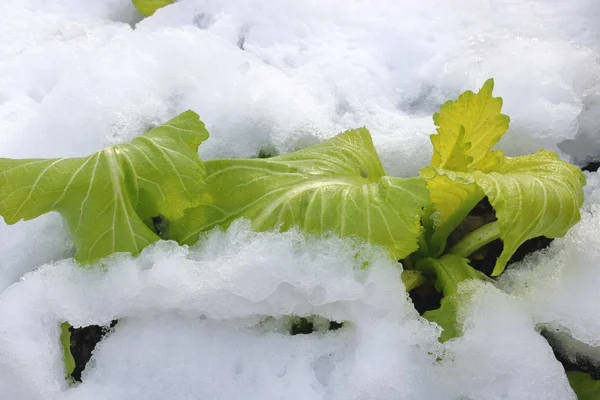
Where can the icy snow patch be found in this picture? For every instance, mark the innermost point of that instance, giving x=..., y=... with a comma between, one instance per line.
x=288, y=74
x=500, y=355
x=47, y=238
x=193, y=322
x=245, y=104
x=76, y=77
x=375, y=61
x=559, y=287
x=215, y=293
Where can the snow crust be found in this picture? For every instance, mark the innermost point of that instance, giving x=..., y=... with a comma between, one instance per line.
x=559, y=287
x=76, y=76
x=194, y=322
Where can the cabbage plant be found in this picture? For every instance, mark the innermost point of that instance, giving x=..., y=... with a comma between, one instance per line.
x=112, y=198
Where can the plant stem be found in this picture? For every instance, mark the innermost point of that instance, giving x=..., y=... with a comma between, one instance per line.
x=423, y=246
x=449, y=271
x=437, y=242
x=476, y=240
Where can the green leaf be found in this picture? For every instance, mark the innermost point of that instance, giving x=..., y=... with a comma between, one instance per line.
x=446, y=317
x=453, y=195
x=106, y=197
x=449, y=272
x=584, y=386
x=338, y=186
x=149, y=7
x=533, y=195
x=468, y=128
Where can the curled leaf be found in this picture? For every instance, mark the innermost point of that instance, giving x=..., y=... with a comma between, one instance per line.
x=534, y=195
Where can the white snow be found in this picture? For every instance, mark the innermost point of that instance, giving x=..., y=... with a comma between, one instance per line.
x=190, y=320
x=500, y=356
x=192, y=323
x=76, y=76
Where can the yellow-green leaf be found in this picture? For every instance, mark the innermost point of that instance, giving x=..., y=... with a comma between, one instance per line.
x=149, y=7
x=452, y=195
x=468, y=128
x=534, y=195
x=449, y=271
x=107, y=197
x=337, y=186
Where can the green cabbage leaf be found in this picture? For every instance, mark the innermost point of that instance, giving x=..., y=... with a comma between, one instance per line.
x=448, y=272
x=149, y=7
x=337, y=186
x=109, y=198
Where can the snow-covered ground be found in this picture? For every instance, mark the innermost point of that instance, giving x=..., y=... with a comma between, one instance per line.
x=79, y=75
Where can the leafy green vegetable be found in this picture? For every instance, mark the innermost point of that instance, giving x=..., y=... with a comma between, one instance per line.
x=111, y=199
x=149, y=7
x=449, y=271
x=446, y=317
x=467, y=130
x=584, y=386
x=533, y=195
x=338, y=185
x=107, y=197
x=452, y=199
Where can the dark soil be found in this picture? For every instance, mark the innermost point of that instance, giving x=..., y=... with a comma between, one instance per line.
x=591, y=166
x=84, y=340
x=425, y=298
x=306, y=327
x=83, y=343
